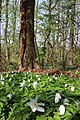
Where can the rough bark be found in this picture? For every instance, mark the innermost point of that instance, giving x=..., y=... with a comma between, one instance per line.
x=26, y=39
x=0, y=27
x=22, y=36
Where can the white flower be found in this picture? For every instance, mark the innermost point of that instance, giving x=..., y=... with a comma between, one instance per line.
x=72, y=88
x=7, y=75
x=9, y=79
x=2, y=78
x=38, y=78
x=35, y=85
x=65, y=85
x=78, y=104
x=50, y=79
x=11, y=75
x=66, y=101
x=9, y=96
x=57, y=97
x=62, y=109
x=29, y=80
x=12, y=71
x=56, y=78
x=35, y=106
x=2, y=82
x=12, y=84
x=23, y=83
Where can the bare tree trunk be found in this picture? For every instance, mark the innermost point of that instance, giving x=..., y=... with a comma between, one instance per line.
x=26, y=38
x=13, y=50
x=36, y=14
x=6, y=31
x=14, y=21
x=22, y=35
x=72, y=38
x=0, y=27
x=30, y=48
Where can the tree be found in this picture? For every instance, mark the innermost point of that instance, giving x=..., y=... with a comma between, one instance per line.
x=6, y=31
x=0, y=27
x=72, y=25
x=26, y=37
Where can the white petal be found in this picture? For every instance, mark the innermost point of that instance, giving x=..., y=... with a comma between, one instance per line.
x=72, y=88
x=35, y=85
x=33, y=109
x=2, y=82
x=41, y=104
x=29, y=103
x=24, y=81
x=56, y=99
x=66, y=85
x=9, y=96
x=31, y=99
x=58, y=95
x=62, y=109
x=36, y=98
x=38, y=78
x=40, y=109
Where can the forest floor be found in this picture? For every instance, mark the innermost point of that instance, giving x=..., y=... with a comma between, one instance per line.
x=54, y=71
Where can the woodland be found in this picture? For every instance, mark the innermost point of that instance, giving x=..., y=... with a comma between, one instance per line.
x=39, y=59
x=53, y=30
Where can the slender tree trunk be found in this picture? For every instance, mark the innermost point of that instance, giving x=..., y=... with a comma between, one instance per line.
x=49, y=31
x=6, y=31
x=36, y=15
x=0, y=27
x=22, y=35
x=72, y=29
x=63, y=49
x=14, y=20
x=13, y=29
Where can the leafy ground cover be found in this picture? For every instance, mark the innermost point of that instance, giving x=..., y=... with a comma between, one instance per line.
x=30, y=96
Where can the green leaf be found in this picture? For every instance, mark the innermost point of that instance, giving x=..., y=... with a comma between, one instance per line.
x=50, y=118
x=42, y=117
x=48, y=111
x=68, y=117
x=71, y=109
x=1, y=104
x=57, y=116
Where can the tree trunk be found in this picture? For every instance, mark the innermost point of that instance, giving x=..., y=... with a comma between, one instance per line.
x=36, y=26
x=14, y=21
x=6, y=31
x=0, y=27
x=72, y=30
x=26, y=38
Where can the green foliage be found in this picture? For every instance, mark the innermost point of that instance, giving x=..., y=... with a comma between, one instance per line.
x=16, y=108
x=67, y=67
x=11, y=67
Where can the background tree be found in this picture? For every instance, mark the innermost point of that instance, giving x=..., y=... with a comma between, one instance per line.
x=0, y=27
x=6, y=31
